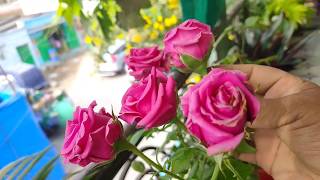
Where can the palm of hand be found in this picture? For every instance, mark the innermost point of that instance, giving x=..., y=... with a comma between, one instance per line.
x=291, y=149
x=287, y=129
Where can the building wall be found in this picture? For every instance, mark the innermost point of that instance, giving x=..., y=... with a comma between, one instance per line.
x=9, y=41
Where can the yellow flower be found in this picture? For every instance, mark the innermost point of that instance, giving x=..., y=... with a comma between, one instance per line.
x=231, y=36
x=167, y=22
x=87, y=39
x=137, y=38
x=194, y=78
x=174, y=19
x=170, y=21
x=97, y=41
x=146, y=26
x=154, y=35
x=159, y=18
x=156, y=25
x=172, y=4
x=147, y=19
x=120, y=36
x=161, y=27
x=128, y=47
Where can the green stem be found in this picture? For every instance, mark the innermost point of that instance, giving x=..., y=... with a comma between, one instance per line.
x=123, y=144
x=222, y=35
x=215, y=173
x=181, y=124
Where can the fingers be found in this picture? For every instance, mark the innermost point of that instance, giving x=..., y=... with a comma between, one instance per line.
x=262, y=78
x=270, y=115
x=248, y=157
x=271, y=82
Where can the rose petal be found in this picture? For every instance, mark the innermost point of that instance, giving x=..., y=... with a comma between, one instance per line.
x=225, y=146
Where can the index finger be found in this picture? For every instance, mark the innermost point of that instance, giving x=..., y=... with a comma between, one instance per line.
x=262, y=78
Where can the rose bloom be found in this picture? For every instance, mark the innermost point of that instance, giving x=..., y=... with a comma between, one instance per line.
x=217, y=109
x=151, y=102
x=90, y=136
x=191, y=38
x=141, y=60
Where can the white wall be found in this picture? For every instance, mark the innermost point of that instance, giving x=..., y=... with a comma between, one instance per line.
x=30, y=7
x=9, y=41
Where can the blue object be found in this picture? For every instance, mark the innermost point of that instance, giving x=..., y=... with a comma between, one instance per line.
x=20, y=135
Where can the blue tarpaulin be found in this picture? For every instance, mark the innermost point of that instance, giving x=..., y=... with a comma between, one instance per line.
x=20, y=135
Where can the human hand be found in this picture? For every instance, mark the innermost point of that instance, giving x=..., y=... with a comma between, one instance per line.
x=287, y=129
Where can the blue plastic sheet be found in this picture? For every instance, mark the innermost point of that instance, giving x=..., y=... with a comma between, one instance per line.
x=20, y=135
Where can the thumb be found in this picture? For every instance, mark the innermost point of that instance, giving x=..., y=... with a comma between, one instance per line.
x=270, y=115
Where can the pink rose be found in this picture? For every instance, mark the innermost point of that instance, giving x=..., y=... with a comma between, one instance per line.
x=191, y=38
x=217, y=109
x=151, y=102
x=90, y=136
x=141, y=60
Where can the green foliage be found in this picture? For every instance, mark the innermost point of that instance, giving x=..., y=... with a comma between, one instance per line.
x=46, y=169
x=244, y=147
x=181, y=160
x=130, y=17
x=239, y=170
x=69, y=9
x=20, y=168
x=261, y=33
x=294, y=10
x=104, y=22
x=138, y=166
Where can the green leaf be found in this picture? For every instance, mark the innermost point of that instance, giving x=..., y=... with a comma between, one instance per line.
x=251, y=21
x=240, y=170
x=213, y=58
x=181, y=160
x=200, y=172
x=270, y=33
x=4, y=171
x=230, y=59
x=46, y=169
x=20, y=167
x=191, y=62
x=164, y=177
x=295, y=10
x=105, y=22
x=37, y=157
x=138, y=166
x=69, y=9
x=208, y=170
x=245, y=170
x=69, y=175
x=193, y=170
x=244, y=147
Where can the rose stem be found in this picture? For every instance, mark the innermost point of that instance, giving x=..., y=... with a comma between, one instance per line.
x=128, y=146
x=215, y=172
x=181, y=124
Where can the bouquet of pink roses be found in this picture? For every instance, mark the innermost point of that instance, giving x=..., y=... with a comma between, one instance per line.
x=208, y=118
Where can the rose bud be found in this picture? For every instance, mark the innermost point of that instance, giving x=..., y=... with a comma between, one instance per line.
x=188, y=45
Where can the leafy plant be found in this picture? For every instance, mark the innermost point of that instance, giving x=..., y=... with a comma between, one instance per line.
x=20, y=168
x=262, y=33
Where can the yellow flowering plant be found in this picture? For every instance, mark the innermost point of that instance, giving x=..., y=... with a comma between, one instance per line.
x=161, y=16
